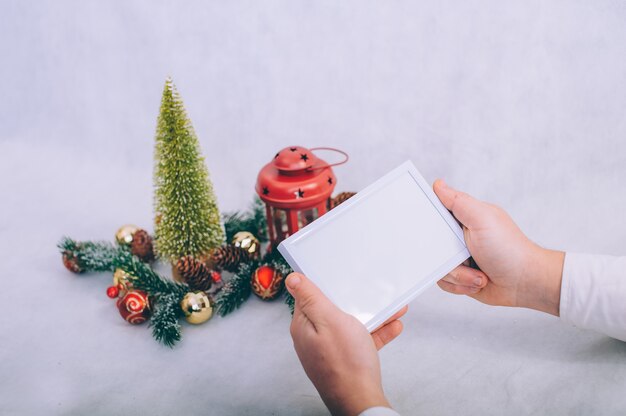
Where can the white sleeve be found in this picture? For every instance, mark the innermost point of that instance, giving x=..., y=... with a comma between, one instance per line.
x=379, y=411
x=593, y=293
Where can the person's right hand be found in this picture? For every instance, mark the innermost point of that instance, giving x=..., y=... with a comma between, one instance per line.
x=515, y=271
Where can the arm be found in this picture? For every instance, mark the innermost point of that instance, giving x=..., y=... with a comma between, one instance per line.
x=337, y=352
x=588, y=291
x=339, y=356
x=593, y=293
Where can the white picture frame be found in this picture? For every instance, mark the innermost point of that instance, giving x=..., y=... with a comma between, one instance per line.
x=380, y=249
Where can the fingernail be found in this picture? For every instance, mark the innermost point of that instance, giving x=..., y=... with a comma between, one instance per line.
x=293, y=281
x=478, y=281
x=474, y=289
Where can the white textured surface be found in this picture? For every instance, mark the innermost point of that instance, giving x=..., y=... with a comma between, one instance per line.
x=522, y=103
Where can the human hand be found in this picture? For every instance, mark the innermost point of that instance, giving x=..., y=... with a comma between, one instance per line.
x=336, y=350
x=515, y=271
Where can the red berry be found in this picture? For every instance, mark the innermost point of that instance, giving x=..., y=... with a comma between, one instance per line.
x=112, y=292
x=216, y=276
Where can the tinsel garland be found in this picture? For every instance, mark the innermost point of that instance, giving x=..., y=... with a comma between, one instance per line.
x=165, y=294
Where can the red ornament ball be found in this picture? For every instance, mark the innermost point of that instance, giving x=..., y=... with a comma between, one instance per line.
x=267, y=282
x=134, y=307
x=113, y=292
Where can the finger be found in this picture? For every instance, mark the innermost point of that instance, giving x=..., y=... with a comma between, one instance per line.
x=387, y=333
x=310, y=301
x=464, y=207
x=458, y=289
x=301, y=326
x=466, y=276
x=396, y=315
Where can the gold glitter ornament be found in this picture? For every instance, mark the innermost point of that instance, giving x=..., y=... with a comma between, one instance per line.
x=248, y=242
x=197, y=307
x=124, y=236
x=122, y=280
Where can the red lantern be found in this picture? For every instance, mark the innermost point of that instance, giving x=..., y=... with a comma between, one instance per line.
x=295, y=187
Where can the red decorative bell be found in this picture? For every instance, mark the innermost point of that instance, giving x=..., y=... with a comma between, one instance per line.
x=295, y=187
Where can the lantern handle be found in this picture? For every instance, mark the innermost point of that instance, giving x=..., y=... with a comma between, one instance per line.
x=327, y=165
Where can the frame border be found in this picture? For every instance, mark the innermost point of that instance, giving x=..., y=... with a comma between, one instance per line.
x=286, y=245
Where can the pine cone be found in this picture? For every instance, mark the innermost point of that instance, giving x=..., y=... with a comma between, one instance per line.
x=340, y=198
x=228, y=257
x=141, y=246
x=194, y=272
x=70, y=261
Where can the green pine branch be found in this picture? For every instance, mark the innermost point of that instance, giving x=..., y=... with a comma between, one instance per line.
x=91, y=256
x=253, y=221
x=164, y=321
x=146, y=279
x=237, y=290
x=276, y=260
x=290, y=301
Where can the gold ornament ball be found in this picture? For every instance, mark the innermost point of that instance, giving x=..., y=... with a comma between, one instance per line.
x=124, y=235
x=248, y=242
x=197, y=307
x=120, y=277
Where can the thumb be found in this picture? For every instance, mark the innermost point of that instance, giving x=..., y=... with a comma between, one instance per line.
x=309, y=298
x=467, y=209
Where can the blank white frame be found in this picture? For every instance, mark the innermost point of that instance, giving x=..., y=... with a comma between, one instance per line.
x=398, y=218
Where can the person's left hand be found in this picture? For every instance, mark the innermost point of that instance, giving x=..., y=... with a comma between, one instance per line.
x=336, y=350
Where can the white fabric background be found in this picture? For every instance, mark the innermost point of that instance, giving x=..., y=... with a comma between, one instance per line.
x=521, y=103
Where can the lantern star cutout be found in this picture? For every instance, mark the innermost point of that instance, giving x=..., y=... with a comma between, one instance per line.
x=330, y=180
x=304, y=156
x=266, y=190
x=276, y=155
x=299, y=193
x=293, y=149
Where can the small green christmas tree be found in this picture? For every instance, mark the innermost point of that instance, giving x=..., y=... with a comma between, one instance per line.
x=187, y=218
